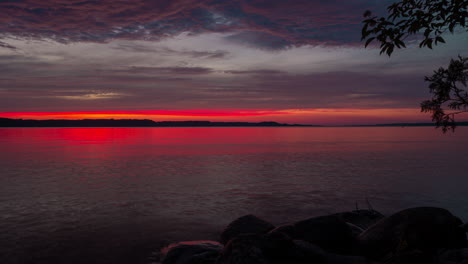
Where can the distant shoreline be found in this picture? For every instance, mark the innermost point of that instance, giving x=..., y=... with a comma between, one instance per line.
x=8, y=122
x=403, y=125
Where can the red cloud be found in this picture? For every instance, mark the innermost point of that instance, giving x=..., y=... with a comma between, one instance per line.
x=110, y=114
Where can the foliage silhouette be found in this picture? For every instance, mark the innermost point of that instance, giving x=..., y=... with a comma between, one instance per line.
x=428, y=19
x=448, y=87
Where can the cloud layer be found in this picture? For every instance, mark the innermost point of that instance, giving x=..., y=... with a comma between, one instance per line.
x=272, y=24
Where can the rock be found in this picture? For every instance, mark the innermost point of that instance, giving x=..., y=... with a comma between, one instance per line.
x=465, y=227
x=248, y=224
x=277, y=245
x=455, y=255
x=328, y=232
x=191, y=252
x=356, y=230
x=271, y=248
x=336, y=232
x=308, y=252
x=314, y=254
x=280, y=248
x=421, y=228
x=275, y=248
x=411, y=257
x=361, y=218
x=243, y=249
x=285, y=229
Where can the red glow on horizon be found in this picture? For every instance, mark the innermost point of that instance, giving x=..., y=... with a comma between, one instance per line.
x=132, y=114
x=336, y=116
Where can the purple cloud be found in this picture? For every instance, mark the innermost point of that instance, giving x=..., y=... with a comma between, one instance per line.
x=166, y=70
x=35, y=85
x=259, y=71
x=273, y=24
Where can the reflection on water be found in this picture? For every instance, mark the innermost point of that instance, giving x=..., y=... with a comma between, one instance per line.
x=112, y=195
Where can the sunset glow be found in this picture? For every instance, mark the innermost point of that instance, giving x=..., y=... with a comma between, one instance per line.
x=285, y=61
x=302, y=116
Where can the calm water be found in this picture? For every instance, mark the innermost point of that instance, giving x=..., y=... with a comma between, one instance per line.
x=114, y=195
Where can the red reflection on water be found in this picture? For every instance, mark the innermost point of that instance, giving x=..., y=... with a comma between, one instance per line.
x=91, y=135
x=72, y=135
x=234, y=140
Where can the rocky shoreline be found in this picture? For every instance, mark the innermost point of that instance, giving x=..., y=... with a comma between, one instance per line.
x=415, y=235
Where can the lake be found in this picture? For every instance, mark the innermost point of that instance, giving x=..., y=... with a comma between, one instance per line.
x=115, y=195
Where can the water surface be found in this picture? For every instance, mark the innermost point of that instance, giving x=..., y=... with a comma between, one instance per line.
x=114, y=195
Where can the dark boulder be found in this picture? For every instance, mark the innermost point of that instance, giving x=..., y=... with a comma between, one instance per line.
x=465, y=227
x=355, y=230
x=328, y=232
x=314, y=254
x=422, y=228
x=248, y=224
x=411, y=257
x=284, y=229
x=275, y=248
x=279, y=248
x=456, y=255
x=361, y=218
x=243, y=249
x=191, y=252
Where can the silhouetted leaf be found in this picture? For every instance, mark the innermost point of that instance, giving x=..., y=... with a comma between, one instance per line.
x=451, y=26
x=401, y=43
x=422, y=43
x=440, y=39
x=429, y=43
x=390, y=50
x=364, y=32
x=368, y=42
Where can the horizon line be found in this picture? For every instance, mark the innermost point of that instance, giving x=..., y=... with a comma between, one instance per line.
x=460, y=123
x=309, y=116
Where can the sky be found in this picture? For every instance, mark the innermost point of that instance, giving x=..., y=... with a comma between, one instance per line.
x=295, y=61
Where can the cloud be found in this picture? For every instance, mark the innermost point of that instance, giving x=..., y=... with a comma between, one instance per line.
x=164, y=51
x=273, y=24
x=259, y=71
x=260, y=40
x=90, y=96
x=166, y=70
x=6, y=46
x=180, y=73
x=143, y=88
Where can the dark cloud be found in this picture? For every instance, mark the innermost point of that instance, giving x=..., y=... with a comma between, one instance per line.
x=166, y=70
x=273, y=24
x=187, y=70
x=164, y=51
x=132, y=47
x=218, y=54
x=260, y=40
x=50, y=86
x=23, y=66
x=260, y=71
x=343, y=89
x=6, y=46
